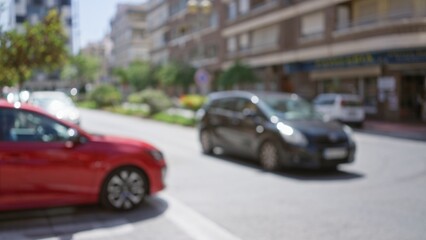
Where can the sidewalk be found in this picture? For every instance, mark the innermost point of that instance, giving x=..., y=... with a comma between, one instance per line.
x=414, y=131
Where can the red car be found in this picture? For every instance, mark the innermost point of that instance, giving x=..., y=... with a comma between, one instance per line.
x=46, y=162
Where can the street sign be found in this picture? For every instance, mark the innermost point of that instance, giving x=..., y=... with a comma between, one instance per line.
x=202, y=77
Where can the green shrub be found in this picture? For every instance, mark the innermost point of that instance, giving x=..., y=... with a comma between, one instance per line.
x=105, y=95
x=156, y=100
x=193, y=102
x=165, y=117
x=128, y=111
x=135, y=98
x=87, y=104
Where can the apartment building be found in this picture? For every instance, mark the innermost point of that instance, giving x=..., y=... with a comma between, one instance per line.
x=374, y=48
x=187, y=34
x=157, y=20
x=129, y=35
x=194, y=36
x=101, y=50
x=33, y=11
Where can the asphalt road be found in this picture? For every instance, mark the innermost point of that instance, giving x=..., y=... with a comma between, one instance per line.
x=380, y=196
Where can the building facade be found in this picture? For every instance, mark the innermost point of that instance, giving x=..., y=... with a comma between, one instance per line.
x=102, y=51
x=190, y=36
x=373, y=48
x=157, y=20
x=129, y=35
x=194, y=37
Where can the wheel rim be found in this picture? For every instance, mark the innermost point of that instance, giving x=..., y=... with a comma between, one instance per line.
x=205, y=142
x=269, y=156
x=126, y=189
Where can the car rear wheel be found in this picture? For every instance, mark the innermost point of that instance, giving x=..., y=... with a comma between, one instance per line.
x=124, y=189
x=206, y=142
x=269, y=156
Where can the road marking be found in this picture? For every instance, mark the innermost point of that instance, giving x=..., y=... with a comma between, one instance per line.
x=122, y=227
x=193, y=223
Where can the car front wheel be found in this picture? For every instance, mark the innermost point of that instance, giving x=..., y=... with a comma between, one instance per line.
x=124, y=189
x=206, y=142
x=269, y=156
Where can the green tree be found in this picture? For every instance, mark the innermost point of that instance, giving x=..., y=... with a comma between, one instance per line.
x=122, y=75
x=105, y=95
x=138, y=74
x=237, y=74
x=185, y=77
x=174, y=74
x=41, y=46
x=168, y=74
x=82, y=69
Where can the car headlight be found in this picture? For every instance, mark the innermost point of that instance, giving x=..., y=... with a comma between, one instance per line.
x=200, y=114
x=157, y=155
x=291, y=135
x=349, y=132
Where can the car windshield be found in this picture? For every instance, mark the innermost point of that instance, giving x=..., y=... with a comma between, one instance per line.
x=52, y=102
x=289, y=107
x=351, y=103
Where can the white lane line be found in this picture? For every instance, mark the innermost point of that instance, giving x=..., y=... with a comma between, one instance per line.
x=193, y=223
x=121, y=227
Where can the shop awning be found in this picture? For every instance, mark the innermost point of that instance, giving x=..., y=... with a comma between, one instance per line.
x=345, y=73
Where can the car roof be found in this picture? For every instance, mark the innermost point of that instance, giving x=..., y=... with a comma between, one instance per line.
x=343, y=95
x=48, y=93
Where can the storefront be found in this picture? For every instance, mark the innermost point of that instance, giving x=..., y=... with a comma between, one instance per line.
x=392, y=84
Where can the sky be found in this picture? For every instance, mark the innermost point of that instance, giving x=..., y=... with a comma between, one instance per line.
x=3, y=17
x=94, y=18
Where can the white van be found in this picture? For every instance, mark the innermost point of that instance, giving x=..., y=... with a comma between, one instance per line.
x=346, y=108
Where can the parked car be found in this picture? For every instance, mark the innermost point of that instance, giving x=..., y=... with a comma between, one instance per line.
x=346, y=108
x=56, y=103
x=277, y=129
x=47, y=162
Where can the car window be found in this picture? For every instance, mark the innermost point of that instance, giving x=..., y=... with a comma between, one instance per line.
x=241, y=104
x=351, y=102
x=24, y=126
x=325, y=100
x=289, y=108
x=47, y=102
x=224, y=104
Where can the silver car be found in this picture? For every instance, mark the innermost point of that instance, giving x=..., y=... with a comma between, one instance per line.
x=346, y=108
x=56, y=103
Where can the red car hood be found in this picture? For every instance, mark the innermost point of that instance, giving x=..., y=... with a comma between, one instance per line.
x=122, y=141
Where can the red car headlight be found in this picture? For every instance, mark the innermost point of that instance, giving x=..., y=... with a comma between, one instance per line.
x=157, y=155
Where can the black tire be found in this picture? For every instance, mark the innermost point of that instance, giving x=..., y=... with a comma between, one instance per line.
x=206, y=142
x=124, y=189
x=269, y=156
x=330, y=169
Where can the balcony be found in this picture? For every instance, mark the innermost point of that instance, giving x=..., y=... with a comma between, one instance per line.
x=257, y=7
x=376, y=25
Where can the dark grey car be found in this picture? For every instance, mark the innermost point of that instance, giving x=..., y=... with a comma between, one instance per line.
x=276, y=129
